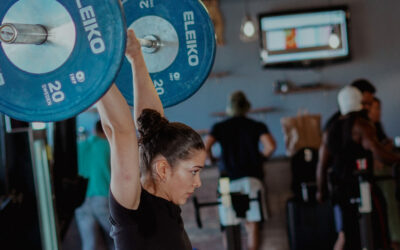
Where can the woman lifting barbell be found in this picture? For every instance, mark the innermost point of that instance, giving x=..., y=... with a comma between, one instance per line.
x=153, y=174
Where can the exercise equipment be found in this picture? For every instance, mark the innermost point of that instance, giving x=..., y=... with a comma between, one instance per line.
x=81, y=44
x=303, y=165
x=58, y=57
x=28, y=205
x=365, y=203
x=310, y=225
x=240, y=204
x=182, y=51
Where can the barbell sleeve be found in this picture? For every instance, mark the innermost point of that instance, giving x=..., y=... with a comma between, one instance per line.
x=17, y=33
x=150, y=43
x=147, y=43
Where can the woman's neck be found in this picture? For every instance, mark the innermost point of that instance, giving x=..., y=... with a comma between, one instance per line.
x=151, y=186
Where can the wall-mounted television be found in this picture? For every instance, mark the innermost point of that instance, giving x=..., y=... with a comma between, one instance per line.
x=304, y=38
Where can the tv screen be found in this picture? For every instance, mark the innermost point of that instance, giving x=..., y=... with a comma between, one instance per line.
x=305, y=38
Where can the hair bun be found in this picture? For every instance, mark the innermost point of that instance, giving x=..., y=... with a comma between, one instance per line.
x=150, y=123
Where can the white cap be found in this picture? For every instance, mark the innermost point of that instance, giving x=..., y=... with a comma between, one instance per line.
x=349, y=99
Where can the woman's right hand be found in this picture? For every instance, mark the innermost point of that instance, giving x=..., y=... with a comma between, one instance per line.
x=133, y=47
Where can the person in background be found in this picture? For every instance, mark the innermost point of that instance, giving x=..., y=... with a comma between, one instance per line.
x=388, y=187
x=368, y=93
x=351, y=139
x=374, y=115
x=92, y=216
x=324, y=156
x=241, y=159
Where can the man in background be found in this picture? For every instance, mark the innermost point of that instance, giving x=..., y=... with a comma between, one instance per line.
x=351, y=142
x=388, y=187
x=367, y=91
x=241, y=159
x=93, y=216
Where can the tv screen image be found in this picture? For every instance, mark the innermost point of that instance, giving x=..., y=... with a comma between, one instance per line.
x=304, y=38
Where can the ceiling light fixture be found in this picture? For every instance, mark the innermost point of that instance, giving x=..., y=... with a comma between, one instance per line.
x=248, y=28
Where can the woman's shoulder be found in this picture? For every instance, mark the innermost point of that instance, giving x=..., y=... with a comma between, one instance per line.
x=122, y=215
x=147, y=200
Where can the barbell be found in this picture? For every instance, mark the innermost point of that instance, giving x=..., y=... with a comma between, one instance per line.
x=58, y=57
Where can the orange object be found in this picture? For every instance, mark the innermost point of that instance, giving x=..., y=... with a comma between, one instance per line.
x=291, y=39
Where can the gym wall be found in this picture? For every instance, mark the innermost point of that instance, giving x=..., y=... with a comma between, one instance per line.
x=374, y=41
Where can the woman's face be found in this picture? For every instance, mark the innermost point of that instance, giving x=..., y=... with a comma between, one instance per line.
x=185, y=177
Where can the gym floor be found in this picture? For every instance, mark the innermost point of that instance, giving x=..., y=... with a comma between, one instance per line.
x=274, y=237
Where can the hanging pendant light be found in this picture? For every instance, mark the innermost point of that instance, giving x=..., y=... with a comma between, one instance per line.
x=248, y=28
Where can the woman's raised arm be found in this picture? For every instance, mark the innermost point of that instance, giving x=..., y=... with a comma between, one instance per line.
x=145, y=94
x=119, y=128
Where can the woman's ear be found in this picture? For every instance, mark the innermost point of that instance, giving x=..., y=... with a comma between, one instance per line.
x=163, y=169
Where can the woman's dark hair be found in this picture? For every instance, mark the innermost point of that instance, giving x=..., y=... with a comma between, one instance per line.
x=157, y=136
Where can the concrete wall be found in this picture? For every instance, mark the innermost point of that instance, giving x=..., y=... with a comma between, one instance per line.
x=375, y=40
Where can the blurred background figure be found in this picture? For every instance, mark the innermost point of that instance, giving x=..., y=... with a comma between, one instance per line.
x=241, y=159
x=92, y=216
x=325, y=161
x=388, y=187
